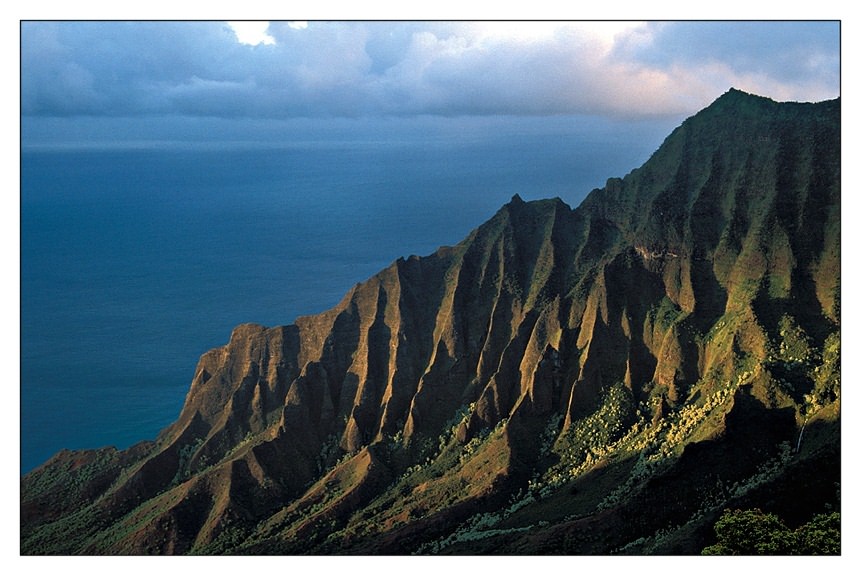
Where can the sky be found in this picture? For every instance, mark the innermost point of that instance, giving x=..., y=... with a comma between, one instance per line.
x=132, y=79
x=75, y=73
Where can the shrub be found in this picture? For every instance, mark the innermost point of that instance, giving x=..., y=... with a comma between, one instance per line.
x=821, y=536
x=751, y=532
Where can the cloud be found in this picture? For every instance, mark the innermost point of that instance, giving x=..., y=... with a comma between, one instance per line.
x=289, y=69
x=252, y=33
x=782, y=59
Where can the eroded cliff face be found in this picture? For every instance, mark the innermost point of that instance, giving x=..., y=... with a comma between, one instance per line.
x=682, y=320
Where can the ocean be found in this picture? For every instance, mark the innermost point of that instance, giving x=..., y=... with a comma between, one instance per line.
x=137, y=257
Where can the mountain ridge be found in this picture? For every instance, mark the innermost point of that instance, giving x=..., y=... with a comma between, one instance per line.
x=598, y=351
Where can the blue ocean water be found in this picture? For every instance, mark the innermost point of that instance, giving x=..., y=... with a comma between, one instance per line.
x=136, y=259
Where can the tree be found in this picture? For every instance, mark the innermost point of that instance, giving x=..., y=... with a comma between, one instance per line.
x=751, y=532
x=821, y=536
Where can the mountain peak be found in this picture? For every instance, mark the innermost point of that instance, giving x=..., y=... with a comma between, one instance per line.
x=734, y=94
x=738, y=101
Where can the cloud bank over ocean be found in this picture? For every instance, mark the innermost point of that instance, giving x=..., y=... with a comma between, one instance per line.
x=280, y=70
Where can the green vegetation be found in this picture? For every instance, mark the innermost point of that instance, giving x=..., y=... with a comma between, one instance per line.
x=753, y=532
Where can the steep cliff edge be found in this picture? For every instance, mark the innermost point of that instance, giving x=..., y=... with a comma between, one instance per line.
x=602, y=379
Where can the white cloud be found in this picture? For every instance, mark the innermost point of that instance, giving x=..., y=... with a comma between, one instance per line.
x=297, y=25
x=252, y=33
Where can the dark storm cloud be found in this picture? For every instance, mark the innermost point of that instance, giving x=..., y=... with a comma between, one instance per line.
x=407, y=68
x=118, y=68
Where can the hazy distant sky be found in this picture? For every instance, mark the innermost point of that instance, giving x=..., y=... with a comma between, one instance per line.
x=279, y=70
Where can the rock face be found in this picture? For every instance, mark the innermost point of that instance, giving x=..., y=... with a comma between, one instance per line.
x=603, y=379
